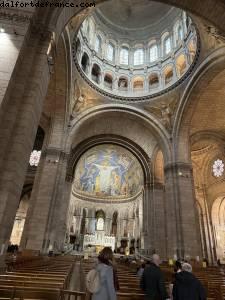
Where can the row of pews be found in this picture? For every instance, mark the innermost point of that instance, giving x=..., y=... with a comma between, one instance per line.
x=39, y=278
x=212, y=278
x=48, y=278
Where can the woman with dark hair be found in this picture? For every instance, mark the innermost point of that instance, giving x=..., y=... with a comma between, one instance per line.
x=108, y=277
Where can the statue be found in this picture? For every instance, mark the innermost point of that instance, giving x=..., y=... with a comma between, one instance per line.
x=80, y=101
x=164, y=112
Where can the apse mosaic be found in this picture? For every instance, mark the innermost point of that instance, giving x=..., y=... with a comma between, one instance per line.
x=108, y=171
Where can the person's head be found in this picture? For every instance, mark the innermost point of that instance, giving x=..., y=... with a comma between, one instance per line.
x=178, y=266
x=156, y=259
x=143, y=266
x=106, y=255
x=186, y=267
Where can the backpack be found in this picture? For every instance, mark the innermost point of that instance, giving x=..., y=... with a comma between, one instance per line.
x=93, y=281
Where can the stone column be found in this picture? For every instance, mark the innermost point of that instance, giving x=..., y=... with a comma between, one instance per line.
x=20, y=116
x=181, y=217
x=148, y=218
x=159, y=219
x=56, y=230
x=12, y=41
x=46, y=221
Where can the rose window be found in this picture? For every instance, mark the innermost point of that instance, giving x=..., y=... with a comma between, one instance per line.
x=35, y=158
x=218, y=168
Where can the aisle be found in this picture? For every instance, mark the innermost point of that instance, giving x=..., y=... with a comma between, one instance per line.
x=75, y=281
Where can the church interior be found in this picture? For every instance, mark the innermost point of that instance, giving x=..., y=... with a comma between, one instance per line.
x=112, y=134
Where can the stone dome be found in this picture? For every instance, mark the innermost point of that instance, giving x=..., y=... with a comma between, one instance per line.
x=141, y=51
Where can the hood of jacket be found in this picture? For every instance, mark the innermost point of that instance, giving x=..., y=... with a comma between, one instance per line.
x=184, y=277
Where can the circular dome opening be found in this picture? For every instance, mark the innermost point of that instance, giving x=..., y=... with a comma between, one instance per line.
x=131, y=49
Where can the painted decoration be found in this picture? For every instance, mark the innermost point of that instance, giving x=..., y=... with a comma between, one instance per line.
x=108, y=171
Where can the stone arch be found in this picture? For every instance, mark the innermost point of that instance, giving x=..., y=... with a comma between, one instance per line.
x=203, y=76
x=124, y=112
x=218, y=221
x=136, y=150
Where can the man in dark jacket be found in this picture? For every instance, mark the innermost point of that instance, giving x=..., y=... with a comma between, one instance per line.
x=152, y=282
x=187, y=286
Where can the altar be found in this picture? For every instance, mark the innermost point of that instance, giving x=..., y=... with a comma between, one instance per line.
x=99, y=240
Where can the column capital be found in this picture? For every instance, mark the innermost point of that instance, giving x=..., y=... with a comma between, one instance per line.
x=54, y=152
x=178, y=167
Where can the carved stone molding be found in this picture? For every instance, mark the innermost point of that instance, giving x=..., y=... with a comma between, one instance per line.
x=215, y=33
x=108, y=201
x=13, y=16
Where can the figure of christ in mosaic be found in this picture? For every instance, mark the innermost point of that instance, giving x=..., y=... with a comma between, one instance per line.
x=108, y=171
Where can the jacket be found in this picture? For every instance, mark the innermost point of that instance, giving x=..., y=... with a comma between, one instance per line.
x=152, y=283
x=107, y=290
x=187, y=286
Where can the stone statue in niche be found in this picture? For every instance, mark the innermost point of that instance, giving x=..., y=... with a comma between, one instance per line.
x=164, y=112
x=215, y=37
x=80, y=100
x=100, y=224
x=167, y=114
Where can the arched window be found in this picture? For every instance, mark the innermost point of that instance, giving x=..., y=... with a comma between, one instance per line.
x=153, y=81
x=108, y=80
x=138, y=57
x=168, y=74
x=153, y=53
x=124, y=55
x=180, y=33
x=114, y=223
x=110, y=52
x=123, y=84
x=100, y=218
x=91, y=29
x=192, y=49
x=138, y=84
x=96, y=73
x=88, y=29
x=181, y=64
x=98, y=44
x=167, y=45
x=85, y=62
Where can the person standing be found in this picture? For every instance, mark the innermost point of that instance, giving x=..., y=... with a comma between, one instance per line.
x=187, y=286
x=152, y=281
x=108, y=277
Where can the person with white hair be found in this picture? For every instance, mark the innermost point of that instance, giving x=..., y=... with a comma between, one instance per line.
x=187, y=286
x=152, y=281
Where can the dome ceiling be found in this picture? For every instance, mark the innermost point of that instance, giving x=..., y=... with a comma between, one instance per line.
x=135, y=19
x=135, y=50
x=132, y=14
